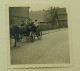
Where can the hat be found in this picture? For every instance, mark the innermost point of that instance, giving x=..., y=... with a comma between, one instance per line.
x=35, y=20
x=22, y=21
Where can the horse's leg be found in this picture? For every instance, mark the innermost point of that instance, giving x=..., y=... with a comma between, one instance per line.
x=15, y=43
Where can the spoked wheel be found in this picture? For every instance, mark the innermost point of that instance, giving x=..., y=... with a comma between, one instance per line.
x=39, y=35
x=32, y=36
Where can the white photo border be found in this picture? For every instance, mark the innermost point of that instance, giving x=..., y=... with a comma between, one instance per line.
x=32, y=66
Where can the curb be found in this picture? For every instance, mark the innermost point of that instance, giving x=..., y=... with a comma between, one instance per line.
x=51, y=31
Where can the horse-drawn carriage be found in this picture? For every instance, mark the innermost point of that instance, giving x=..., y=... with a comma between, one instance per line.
x=29, y=31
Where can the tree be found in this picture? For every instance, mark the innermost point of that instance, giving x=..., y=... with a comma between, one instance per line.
x=52, y=16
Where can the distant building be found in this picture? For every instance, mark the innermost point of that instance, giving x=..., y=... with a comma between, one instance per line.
x=43, y=17
x=62, y=17
x=38, y=15
x=17, y=14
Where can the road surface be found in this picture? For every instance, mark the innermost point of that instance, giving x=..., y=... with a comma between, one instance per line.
x=53, y=48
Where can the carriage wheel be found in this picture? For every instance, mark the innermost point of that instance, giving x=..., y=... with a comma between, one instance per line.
x=39, y=35
x=32, y=36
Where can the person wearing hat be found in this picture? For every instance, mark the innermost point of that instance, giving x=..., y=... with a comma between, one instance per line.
x=36, y=23
x=22, y=24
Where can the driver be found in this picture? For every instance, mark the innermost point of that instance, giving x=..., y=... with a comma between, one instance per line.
x=36, y=25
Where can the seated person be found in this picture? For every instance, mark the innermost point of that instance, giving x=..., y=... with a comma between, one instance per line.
x=36, y=25
x=22, y=27
x=22, y=24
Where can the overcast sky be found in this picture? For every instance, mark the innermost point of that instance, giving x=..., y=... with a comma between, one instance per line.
x=37, y=5
x=40, y=5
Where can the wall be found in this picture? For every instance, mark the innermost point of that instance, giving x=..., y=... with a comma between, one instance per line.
x=17, y=14
x=19, y=11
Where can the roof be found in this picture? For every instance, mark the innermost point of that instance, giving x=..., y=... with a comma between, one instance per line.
x=37, y=15
x=44, y=16
x=61, y=11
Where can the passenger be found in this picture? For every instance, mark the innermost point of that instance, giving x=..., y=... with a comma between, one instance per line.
x=22, y=24
x=22, y=27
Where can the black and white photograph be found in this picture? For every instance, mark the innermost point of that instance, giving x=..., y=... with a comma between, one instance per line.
x=38, y=35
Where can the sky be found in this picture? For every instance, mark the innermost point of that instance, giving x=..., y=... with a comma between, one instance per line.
x=40, y=5
x=37, y=7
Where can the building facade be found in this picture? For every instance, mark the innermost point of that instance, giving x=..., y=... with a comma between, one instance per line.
x=17, y=14
x=44, y=17
x=62, y=17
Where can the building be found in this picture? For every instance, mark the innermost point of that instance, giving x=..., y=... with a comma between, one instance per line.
x=62, y=17
x=17, y=14
x=39, y=15
x=44, y=17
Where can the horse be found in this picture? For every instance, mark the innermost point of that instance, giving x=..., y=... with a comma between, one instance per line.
x=14, y=33
x=17, y=33
x=29, y=30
